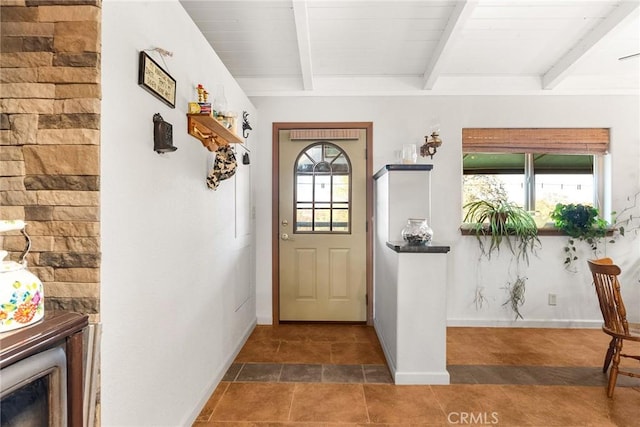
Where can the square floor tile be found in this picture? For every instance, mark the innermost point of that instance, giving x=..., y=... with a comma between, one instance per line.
x=503, y=375
x=377, y=374
x=466, y=398
x=623, y=407
x=259, y=351
x=462, y=374
x=263, y=372
x=488, y=402
x=255, y=402
x=331, y=333
x=232, y=372
x=306, y=373
x=358, y=352
x=407, y=404
x=553, y=406
x=563, y=375
x=304, y=352
x=342, y=374
x=329, y=403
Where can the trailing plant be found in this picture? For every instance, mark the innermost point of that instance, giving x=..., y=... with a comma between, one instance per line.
x=502, y=222
x=516, y=292
x=479, y=299
x=627, y=220
x=579, y=222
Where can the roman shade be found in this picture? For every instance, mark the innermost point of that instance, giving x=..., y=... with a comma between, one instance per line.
x=536, y=140
x=316, y=134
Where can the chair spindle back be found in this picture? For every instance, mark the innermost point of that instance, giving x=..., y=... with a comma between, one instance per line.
x=605, y=278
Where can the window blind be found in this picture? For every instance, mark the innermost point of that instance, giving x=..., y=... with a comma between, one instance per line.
x=536, y=140
x=314, y=134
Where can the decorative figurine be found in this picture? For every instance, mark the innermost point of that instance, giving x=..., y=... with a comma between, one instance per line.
x=202, y=107
x=431, y=144
x=201, y=92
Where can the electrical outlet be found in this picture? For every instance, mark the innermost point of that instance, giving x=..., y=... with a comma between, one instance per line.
x=552, y=299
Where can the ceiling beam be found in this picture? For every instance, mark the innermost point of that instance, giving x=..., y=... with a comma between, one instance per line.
x=451, y=33
x=301, y=19
x=563, y=67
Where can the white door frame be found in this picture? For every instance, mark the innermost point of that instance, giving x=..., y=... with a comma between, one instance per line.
x=275, y=191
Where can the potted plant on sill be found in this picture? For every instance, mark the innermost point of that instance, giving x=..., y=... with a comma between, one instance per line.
x=580, y=222
x=499, y=222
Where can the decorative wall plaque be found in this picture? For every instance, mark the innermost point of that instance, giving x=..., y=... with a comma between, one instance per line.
x=156, y=80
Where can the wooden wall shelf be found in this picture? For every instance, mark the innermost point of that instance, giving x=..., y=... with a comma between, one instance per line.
x=210, y=132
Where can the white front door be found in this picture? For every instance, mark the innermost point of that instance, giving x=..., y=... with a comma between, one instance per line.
x=322, y=228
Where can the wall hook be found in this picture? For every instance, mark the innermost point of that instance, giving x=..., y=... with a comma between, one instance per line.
x=246, y=127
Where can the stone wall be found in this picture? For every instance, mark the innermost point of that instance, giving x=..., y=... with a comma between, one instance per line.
x=50, y=143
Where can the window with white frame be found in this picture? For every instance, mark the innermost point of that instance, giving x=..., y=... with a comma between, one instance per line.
x=534, y=168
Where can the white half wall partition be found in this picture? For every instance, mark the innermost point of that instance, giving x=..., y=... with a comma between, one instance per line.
x=410, y=281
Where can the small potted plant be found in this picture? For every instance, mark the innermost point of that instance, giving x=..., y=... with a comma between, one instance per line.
x=579, y=222
x=502, y=221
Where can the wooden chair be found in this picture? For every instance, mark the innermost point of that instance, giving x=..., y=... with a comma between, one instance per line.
x=605, y=278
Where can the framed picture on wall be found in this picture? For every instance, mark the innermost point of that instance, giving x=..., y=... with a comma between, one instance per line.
x=156, y=81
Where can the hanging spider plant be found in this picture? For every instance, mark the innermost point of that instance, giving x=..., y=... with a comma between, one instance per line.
x=501, y=222
x=515, y=298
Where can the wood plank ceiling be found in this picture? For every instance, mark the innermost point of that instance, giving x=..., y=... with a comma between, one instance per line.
x=378, y=47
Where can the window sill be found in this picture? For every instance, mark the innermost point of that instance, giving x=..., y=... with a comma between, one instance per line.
x=547, y=230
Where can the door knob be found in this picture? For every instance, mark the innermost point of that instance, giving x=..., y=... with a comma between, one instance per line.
x=284, y=236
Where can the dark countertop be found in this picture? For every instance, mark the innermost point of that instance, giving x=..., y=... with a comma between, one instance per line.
x=402, y=247
x=402, y=167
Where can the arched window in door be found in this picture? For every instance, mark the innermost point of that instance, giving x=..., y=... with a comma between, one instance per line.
x=322, y=201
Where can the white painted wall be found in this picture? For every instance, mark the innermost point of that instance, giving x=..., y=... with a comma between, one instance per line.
x=401, y=120
x=177, y=293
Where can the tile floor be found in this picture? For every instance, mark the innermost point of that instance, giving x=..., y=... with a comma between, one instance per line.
x=330, y=375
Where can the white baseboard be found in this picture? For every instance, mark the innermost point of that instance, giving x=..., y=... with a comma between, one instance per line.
x=421, y=378
x=405, y=378
x=219, y=375
x=264, y=320
x=552, y=323
x=391, y=363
